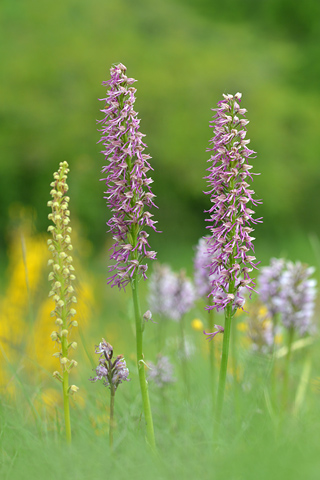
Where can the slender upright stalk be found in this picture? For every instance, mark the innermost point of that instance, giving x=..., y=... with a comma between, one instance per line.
x=287, y=368
x=184, y=357
x=111, y=426
x=129, y=197
x=273, y=362
x=140, y=362
x=62, y=291
x=234, y=348
x=211, y=358
x=65, y=371
x=66, y=406
x=224, y=365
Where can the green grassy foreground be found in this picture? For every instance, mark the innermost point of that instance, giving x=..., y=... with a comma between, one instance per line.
x=259, y=440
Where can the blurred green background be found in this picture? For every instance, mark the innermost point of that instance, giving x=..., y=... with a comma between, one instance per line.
x=185, y=54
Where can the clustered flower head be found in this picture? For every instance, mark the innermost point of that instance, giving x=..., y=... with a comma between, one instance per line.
x=298, y=297
x=270, y=285
x=287, y=289
x=161, y=373
x=62, y=274
x=230, y=215
x=111, y=372
x=170, y=294
x=128, y=192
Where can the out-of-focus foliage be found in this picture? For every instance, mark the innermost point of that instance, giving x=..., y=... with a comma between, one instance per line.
x=54, y=57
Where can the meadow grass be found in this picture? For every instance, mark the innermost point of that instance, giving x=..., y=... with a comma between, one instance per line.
x=259, y=439
x=254, y=442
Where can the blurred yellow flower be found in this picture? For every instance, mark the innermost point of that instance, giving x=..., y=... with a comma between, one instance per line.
x=263, y=311
x=25, y=321
x=278, y=339
x=27, y=257
x=197, y=325
x=242, y=327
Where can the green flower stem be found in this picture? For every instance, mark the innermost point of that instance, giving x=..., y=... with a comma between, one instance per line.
x=211, y=356
x=224, y=364
x=234, y=348
x=132, y=238
x=111, y=426
x=273, y=363
x=65, y=352
x=140, y=362
x=287, y=368
x=65, y=388
x=184, y=357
